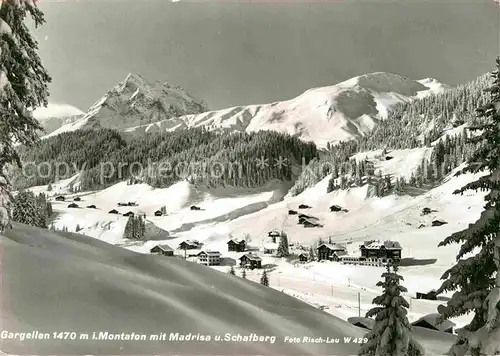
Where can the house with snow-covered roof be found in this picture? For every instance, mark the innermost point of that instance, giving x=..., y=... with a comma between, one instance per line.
x=381, y=251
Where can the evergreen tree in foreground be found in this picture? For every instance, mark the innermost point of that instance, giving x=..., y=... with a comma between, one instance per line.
x=390, y=335
x=231, y=271
x=283, y=248
x=264, y=280
x=473, y=278
x=23, y=87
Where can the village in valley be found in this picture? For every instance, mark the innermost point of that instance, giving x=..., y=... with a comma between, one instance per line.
x=258, y=257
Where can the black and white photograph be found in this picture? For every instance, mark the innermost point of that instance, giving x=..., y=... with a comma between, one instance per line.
x=250, y=177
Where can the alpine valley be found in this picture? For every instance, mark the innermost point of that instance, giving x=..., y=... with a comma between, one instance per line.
x=374, y=158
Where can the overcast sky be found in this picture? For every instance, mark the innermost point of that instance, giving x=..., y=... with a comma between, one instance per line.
x=232, y=54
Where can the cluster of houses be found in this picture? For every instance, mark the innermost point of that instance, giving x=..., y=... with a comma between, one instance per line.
x=429, y=321
x=372, y=252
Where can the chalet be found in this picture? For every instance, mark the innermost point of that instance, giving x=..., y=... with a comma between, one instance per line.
x=164, y=250
x=426, y=211
x=77, y=199
x=430, y=321
x=326, y=251
x=292, y=212
x=130, y=213
x=365, y=323
x=158, y=213
x=190, y=245
x=309, y=223
x=335, y=208
x=250, y=261
x=270, y=248
x=432, y=295
x=236, y=245
x=376, y=251
x=304, y=206
x=439, y=222
x=91, y=207
x=114, y=211
x=194, y=207
x=60, y=198
x=303, y=257
x=209, y=258
x=338, y=255
x=73, y=205
x=273, y=235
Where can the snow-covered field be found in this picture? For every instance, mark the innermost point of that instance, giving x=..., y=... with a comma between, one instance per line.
x=240, y=212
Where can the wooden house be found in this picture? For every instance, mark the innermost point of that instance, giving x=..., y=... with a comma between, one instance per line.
x=236, y=245
x=194, y=207
x=292, y=212
x=91, y=207
x=430, y=321
x=114, y=211
x=335, y=208
x=60, y=198
x=190, y=245
x=303, y=257
x=327, y=251
x=311, y=223
x=164, y=250
x=122, y=204
x=274, y=235
x=132, y=203
x=439, y=222
x=376, y=251
x=209, y=258
x=130, y=213
x=388, y=158
x=73, y=205
x=426, y=211
x=431, y=295
x=304, y=206
x=251, y=261
x=77, y=199
x=365, y=323
x=158, y=213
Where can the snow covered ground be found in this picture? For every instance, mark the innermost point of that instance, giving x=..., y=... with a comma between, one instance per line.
x=239, y=212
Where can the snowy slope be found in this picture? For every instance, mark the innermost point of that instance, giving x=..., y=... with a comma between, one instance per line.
x=87, y=286
x=324, y=115
x=135, y=101
x=241, y=212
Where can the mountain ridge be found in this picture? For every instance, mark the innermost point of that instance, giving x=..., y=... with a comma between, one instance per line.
x=344, y=111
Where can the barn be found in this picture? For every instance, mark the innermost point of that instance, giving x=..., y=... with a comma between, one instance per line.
x=158, y=213
x=73, y=205
x=114, y=211
x=163, y=250
x=92, y=207
x=60, y=198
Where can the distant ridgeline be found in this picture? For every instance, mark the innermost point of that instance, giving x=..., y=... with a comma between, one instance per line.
x=408, y=125
x=212, y=158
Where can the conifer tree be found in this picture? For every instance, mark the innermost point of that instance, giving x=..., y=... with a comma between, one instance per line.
x=391, y=334
x=478, y=289
x=49, y=187
x=283, y=247
x=244, y=273
x=25, y=209
x=264, y=280
x=312, y=257
x=23, y=88
x=129, y=226
x=231, y=271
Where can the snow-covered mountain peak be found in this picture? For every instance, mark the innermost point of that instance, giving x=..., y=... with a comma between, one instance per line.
x=345, y=111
